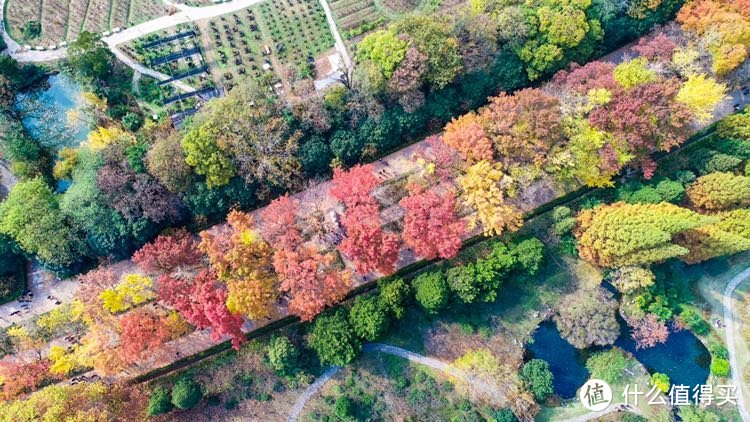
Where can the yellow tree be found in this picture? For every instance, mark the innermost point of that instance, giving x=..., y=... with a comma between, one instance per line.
x=484, y=188
x=243, y=260
x=63, y=362
x=134, y=289
x=720, y=191
x=104, y=136
x=701, y=94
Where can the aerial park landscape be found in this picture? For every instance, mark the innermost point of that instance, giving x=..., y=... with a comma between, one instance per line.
x=375, y=210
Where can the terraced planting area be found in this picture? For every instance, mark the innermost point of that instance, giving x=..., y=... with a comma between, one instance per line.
x=46, y=22
x=355, y=17
x=176, y=53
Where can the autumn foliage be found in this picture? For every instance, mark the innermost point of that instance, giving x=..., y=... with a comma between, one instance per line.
x=311, y=278
x=242, y=259
x=202, y=302
x=431, y=227
x=366, y=243
x=168, y=252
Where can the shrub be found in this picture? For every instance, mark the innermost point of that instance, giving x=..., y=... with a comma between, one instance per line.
x=671, y=191
x=503, y=415
x=660, y=381
x=608, y=365
x=333, y=338
x=368, y=318
x=393, y=295
x=696, y=323
x=31, y=30
x=282, y=355
x=186, y=393
x=644, y=195
x=132, y=121
x=530, y=254
x=159, y=402
x=720, y=367
x=432, y=291
x=537, y=378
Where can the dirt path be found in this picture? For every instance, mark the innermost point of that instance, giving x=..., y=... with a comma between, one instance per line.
x=729, y=312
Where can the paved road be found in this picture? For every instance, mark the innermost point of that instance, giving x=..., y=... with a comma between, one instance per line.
x=340, y=46
x=729, y=313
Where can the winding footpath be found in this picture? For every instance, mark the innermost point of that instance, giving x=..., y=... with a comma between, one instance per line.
x=729, y=322
x=394, y=351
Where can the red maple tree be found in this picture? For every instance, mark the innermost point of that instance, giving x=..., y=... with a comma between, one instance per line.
x=648, y=331
x=141, y=332
x=167, y=252
x=431, y=226
x=202, y=302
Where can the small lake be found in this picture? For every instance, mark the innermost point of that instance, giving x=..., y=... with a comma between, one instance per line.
x=51, y=112
x=567, y=363
x=683, y=357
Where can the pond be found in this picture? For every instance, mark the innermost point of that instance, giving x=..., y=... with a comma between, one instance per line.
x=568, y=364
x=683, y=357
x=52, y=112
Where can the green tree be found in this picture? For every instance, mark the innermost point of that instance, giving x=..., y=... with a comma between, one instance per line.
x=660, y=381
x=433, y=37
x=530, y=254
x=384, y=49
x=368, y=317
x=431, y=291
x=608, y=365
x=209, y=159
x=537, y=377
x=334, y=339
x=31, y=216
x=720, y=367
x=90, y=58
x=697, y=414
x=393, y=295
x=186, y=393
x=282, y=355
x=159, y=402
x=315, y=157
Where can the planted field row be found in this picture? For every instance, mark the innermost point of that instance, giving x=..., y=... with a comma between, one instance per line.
x=37, y=22
x=363, y=16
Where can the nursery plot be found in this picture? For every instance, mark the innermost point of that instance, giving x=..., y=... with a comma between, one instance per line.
x=236, y=48
x=120, y=13
x=55, y=19
x=298, y=28
x=97, y=16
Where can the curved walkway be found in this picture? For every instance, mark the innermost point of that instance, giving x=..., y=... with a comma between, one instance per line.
x=731, y=345
x=311, y=390
x=389, y=350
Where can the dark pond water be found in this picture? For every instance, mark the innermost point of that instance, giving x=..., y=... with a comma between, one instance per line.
x=683, y=358
x=48, y=116
x=566, y=362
